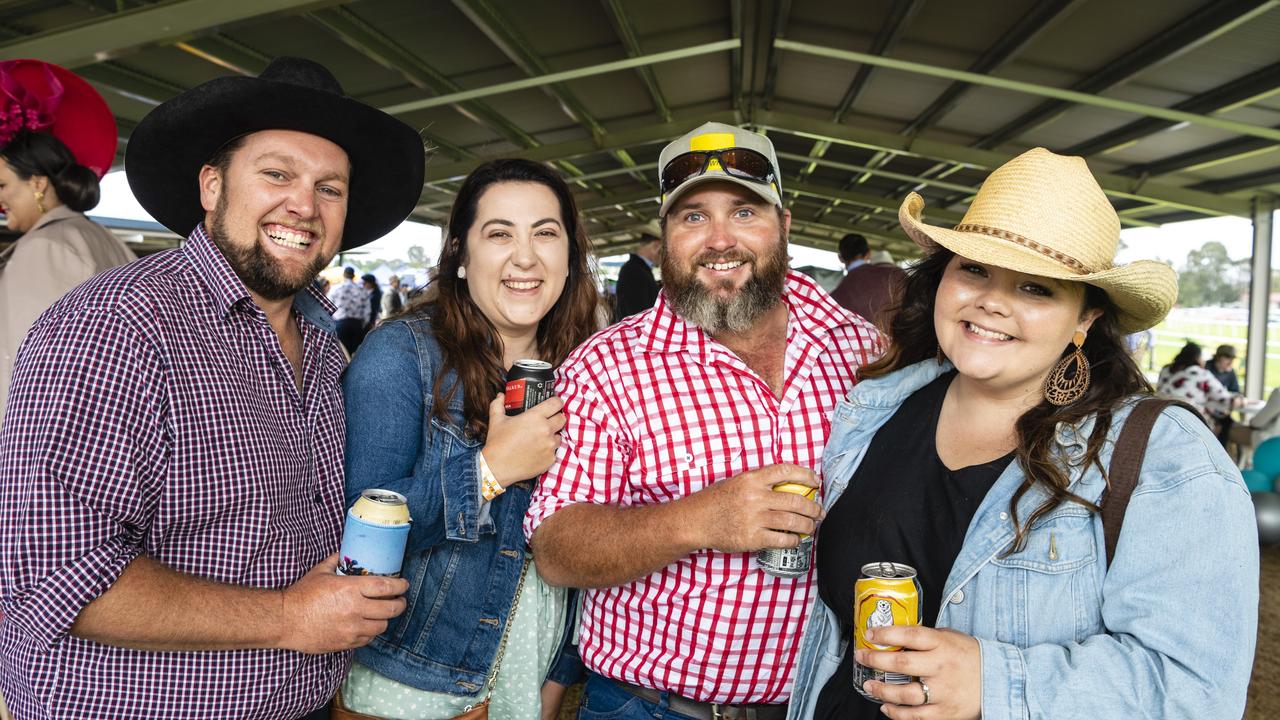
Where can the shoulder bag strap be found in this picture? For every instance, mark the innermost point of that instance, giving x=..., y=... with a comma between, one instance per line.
x=1126, y=463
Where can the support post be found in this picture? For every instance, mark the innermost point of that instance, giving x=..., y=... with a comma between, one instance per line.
x=1264, y=207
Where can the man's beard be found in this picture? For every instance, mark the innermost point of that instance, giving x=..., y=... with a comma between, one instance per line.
x=260, y=272
x=698, y=303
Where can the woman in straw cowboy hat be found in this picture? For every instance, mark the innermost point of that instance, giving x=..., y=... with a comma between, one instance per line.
x=974, y=451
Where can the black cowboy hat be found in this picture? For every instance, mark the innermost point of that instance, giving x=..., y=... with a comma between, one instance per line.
x=171, y=144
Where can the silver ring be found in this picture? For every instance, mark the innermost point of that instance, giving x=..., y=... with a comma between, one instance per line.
x=925, y=688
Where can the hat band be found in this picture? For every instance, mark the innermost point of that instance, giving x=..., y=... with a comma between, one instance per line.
x=1026, y=242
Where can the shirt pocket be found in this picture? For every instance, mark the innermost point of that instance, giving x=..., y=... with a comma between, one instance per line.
x=1048, y=592
x=681, y=462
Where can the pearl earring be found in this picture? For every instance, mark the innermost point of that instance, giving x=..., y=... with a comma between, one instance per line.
x=462, y=273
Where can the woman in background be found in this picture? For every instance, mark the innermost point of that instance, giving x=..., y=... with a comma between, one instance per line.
x=57, y=139
x=1187, y=379
x=425, y=419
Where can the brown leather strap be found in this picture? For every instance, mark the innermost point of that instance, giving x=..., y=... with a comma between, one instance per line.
x=1126, y=463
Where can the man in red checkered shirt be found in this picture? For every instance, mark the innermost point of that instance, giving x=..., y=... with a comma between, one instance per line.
x=680, y=421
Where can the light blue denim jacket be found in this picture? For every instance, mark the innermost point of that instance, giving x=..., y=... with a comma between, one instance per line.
x=1167, y=631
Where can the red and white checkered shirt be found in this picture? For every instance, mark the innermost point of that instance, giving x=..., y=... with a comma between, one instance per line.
x=154, y=412
x=658, y=410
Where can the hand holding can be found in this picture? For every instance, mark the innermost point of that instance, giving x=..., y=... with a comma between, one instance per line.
x=790, y=562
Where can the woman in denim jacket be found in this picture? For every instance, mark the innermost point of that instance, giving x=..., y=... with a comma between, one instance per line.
x=974, y=451
x=425, y=418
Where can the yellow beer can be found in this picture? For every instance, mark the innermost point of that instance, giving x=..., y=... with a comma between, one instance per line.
x=888, y=593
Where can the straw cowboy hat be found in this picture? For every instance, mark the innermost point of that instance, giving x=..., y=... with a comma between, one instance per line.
x=169, y=146
x=1044, y=214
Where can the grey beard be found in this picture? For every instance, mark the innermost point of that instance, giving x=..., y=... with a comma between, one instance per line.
x=696, y=303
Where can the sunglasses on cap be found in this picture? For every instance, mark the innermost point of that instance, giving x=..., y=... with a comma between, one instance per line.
x=735, y=162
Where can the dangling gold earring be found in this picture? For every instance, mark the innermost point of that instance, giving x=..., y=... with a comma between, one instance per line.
x=40, y=201
x=1059, y=389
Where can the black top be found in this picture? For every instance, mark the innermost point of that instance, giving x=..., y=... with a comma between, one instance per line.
x=902, y=505
x=1226, y=377
x=637, y=290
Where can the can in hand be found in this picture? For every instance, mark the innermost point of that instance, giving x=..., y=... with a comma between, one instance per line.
x=789, y=562
x=888, y=593
x=529, y=382
x=374, y=538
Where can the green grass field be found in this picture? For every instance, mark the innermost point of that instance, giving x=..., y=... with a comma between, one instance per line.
x=1173, y=333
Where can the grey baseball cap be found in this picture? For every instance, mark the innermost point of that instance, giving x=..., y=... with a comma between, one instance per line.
x=719, y=136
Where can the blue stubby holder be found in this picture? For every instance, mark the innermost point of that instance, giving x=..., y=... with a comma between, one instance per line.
x=372, y=549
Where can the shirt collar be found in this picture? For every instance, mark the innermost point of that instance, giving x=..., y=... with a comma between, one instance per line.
x=854, y=264
x=227, y=290
x=645, y=259
x=62, y=212
x=810, y=310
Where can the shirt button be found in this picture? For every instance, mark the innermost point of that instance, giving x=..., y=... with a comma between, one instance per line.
x=957, y=597
x=318, y=499
x=1004, y=516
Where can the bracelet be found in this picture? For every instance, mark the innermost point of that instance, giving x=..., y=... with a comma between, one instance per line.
x=490, y=488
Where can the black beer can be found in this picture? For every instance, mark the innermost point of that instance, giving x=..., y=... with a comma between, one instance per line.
x=529, y=382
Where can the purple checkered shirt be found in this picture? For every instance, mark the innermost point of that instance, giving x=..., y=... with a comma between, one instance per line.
x=153, y=412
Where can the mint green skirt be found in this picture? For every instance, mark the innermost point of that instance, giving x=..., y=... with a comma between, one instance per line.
x=532, y=642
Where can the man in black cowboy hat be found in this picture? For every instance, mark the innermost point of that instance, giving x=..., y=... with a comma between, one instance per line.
x=171, y=464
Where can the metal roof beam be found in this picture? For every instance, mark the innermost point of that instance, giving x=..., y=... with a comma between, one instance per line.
x=622, y=25
x=860, y=169
x=602, y=69
x=227, y=53
x=588, y=146
x=132, y=30
x=370, y=42
x=1241, y=91
x=1025, y=31
x=894, y=25
x=1208, y=22
x=1034, y=89
x=1112, y=184
x=870, y=200
x=484, y=15
x=1216, y=154
x=890, y=31
x=130, y=83
x=1246, y=181
x=781, y=15
x=736, y=79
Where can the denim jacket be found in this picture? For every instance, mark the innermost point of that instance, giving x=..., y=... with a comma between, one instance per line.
x=1167, y=631
x=463, y=560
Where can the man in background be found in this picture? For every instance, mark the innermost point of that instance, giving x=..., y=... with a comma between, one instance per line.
x=867, y=289
x=352, y=314
x=636, y=287
x=375, y=298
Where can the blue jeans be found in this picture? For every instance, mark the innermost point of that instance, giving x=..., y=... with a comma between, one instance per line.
x=604, y=700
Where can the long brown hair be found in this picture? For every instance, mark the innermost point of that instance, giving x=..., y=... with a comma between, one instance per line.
x=1113, y=376
x=468, y=340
